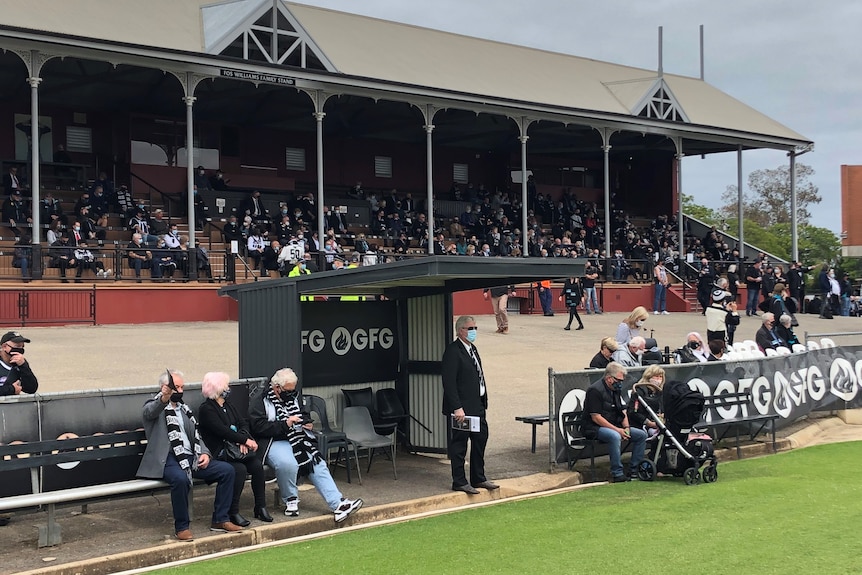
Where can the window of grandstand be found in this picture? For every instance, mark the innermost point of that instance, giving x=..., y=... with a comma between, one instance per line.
x=460, y=173
x=294, y=159
x=79, y=139
x=382, y=166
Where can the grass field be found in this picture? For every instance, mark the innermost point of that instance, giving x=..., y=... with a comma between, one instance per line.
x=796, y=512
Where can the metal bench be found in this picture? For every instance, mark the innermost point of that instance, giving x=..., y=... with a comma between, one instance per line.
x=739, y=403
x=34, y=455
x=535, y=421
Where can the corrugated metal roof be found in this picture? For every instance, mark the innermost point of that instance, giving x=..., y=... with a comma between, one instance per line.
x=394, y=52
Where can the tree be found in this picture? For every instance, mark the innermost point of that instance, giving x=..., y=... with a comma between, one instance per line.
x=767, y=202
x=702, y=213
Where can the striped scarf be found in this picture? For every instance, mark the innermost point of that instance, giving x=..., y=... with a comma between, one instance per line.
x=303, y=441
x=174, y=421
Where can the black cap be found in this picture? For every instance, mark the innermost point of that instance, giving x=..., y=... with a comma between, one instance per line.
x=14, y=337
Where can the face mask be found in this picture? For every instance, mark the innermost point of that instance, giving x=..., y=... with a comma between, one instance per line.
x=225, y=394
x=617, y=386
x=177, y=397
x=693, y=344
x=77, y=228
x=655, y=380
x=299, y=237
x=639, y=352
x=288, y=396
x=284, y=212
x=471, y=335
x=302, y=266
x=639, y=322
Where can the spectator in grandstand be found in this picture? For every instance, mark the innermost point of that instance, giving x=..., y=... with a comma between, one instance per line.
x=62, y=256
x=15, y=211
x=159, y=226
x=705, y=280
x=606, y=350
x=632, y=326
x=255, y=246
x=631, y=354
x=222, y=423
x=176, y=454
x=231, y=231
x=163, y=258
x=22, y=257
x=99, y=203
x=661, y=282
x=141, y=258
x=52, y=209
x=55, y=230
x=766, y=337
x=608, y=421
x=753, y=280
x=694, y=350
x=288, y=445
x=87, y=261
x=253, y=206
x=218, y=181
x=269, y=258
x=140, y=224
x=202, y=181
x=591, y=301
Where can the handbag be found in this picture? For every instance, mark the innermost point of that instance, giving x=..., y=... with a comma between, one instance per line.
x=232, y=452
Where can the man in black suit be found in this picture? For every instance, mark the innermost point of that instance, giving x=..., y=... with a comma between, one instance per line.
x=464, y=394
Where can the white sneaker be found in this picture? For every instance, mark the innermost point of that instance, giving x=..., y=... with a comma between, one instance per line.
x=291, y=508
x=108, y=273
x=656, y=312
x=665, y=312
x=100, y=273
x=347, y=507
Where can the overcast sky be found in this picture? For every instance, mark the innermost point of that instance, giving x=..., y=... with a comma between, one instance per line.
x=793, y=60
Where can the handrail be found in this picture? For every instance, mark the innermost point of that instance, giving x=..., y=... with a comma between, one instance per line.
x=748, y=246
x=166, y=199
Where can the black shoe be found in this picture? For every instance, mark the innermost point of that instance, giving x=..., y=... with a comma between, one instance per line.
x=262, y=514
x=489, y=485
x=579, y=327
x=466, y=488
x=238, y=519
x=620, y=479
x=5, y=521
x=567, y=328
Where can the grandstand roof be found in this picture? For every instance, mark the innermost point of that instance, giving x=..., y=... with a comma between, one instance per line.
x=402, y=54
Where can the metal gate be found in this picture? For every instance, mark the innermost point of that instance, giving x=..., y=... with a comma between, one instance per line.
x=47, y=307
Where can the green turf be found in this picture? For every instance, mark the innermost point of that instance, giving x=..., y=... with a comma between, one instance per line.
x=796, y=512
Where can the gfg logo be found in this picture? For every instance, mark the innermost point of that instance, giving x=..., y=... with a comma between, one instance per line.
x=342, y=340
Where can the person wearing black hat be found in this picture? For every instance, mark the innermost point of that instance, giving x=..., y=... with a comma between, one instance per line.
x=720, y=315
x=16, y=377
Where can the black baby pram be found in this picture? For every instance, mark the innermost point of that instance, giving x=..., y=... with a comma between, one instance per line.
x=678, y=448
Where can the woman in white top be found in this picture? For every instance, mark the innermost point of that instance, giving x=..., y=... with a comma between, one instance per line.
x=54, y=232
x=632, y=325
x=697, y=347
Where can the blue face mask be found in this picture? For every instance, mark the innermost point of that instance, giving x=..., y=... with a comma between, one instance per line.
x=617, y=386
x=471, y=335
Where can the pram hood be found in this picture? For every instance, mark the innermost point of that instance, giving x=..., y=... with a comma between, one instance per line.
x=683, y=406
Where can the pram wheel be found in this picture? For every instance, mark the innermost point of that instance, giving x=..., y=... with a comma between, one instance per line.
x=646, y=470
x=691, y=476
x=710, y=473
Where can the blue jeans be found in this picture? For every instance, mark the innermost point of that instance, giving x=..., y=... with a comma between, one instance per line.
x=614, y=441
x=751, y=303
x=660, y=298
x=845, y=305
x=591, y=303
x=216, y=472
x=281, y=458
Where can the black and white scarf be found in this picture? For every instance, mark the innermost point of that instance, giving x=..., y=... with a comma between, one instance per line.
x=174, y=420
x=303, y=442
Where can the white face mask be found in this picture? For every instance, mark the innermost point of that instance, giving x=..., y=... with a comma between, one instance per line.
x=639, y=323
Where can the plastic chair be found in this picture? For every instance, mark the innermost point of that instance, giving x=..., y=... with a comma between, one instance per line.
x=799, y=348
x=782, y=350
x=740, y=347
x=812, y=344
x=360, y=430
x=328, y=438
x=757, y=353
x=770, y=352
x=364, y=397
x=826, y=342
x=752, y=345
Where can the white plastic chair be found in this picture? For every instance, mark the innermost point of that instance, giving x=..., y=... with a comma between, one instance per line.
x=740, y=347
x=812, y=344
x=782, y=350
x=752, y=345
x=771, y=352
x=359, y=428
x=758, y=353
x=826, y=342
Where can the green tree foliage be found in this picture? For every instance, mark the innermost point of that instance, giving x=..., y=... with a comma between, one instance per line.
x=702, y=213
x=767, y=201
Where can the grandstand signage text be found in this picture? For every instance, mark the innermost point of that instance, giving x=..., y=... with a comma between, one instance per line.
x=257, y=77
x=789, y=386
x=348, y=342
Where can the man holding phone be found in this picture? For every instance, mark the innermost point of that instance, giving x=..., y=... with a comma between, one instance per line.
x=16, y=377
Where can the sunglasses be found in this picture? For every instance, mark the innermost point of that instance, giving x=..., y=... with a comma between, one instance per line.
x=474, y=328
